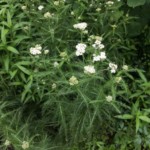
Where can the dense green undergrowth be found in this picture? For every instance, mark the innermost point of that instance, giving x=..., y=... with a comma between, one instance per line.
x=74, y=75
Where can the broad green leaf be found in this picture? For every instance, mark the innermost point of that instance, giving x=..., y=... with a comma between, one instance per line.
x=145, y=118
x=135, y=3
x=9, y=19
x=125, y=116
x=137, y=124
x=13, y=73
x=25, y=63
x=3, y=35
x=23, y=69
x=142, y=75
x=12, y=49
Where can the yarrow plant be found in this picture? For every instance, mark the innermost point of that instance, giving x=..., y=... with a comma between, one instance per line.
x=80, y=49
x=64, y=75
x=100, y=57
x=89, y=69
x=98, y=45
x=36, y=50
x=25, y=145
x=81, y=26
x=73, y=80
x=113, y=67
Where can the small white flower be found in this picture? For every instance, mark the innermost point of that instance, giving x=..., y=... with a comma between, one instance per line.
x=7, y=143
x=118, y=79
x=47, y=15
x=72, y=13
x=54, y=86
x=38, y=46
x=96, y=58
x=56, y=64
x=98, y=38
x=73, y=80
x=125, y=67
x=40, y=7
x=56, y=3
x=98, y=45
x=80, y=49
x=25, y=144
x=63, y=55
x=23, y=7
x=102, y=55
x=89, y=69
x=80, y=26
x=98, y=9
x=109, y=3
x=46, y=51
x=85, y=31
x=113, y=67
x=36, y=50
x=109, y=98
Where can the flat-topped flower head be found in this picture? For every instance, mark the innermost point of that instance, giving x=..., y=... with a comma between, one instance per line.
x=109, y=3
x=7, y=143
x=56, y=64
x=25, y=145
x=109, y=98
x=46, y=51
x=54, y=86
x=98, y=44
x=96, y=58
x=100, y=57
x=48, y=15
x=89, y=69
x=80, y=26
x=125, y=67
x=23, y=7
x=36, y=50
x=40, y=7
x=118, y=79
x=73, y=80
x=113, y=67
x=80, y=49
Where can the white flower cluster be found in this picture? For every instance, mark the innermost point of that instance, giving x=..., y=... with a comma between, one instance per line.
x=100, y=57
x=56, y=64
x=109, y=98
x=40, y=7
x=48, y=15
x=125, y=67
x=7, y=143
x=56, y=3
x=54, y=86
x=113, y=67
x=82, y=26
x=23, y=7
x=89, y=69
x=25, y=144
x=73, y=80
x=109, y=3
x=98, y=44
x=80, y=49
x=36, y=50
x=118, y=79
